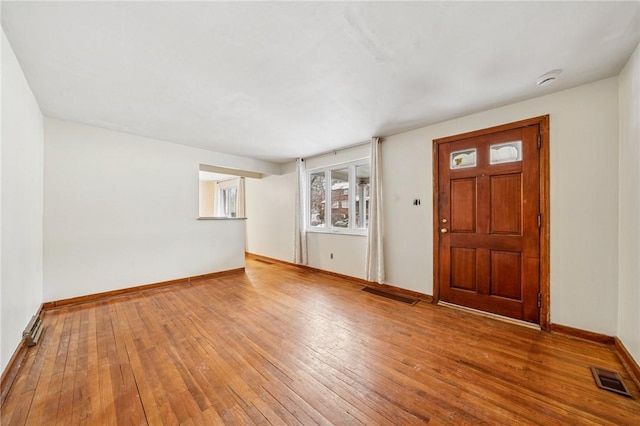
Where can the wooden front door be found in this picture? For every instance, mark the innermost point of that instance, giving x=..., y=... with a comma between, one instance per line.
x=489, y=219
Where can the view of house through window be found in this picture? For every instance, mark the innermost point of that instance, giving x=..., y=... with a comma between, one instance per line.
x=340, y=198
x=347, y=187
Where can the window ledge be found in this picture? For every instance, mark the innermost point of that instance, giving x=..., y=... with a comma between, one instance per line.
x=220, y=218
x=357, y=233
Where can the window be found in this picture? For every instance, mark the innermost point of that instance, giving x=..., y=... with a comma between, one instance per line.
x=505, y=152
x=362, y=193
x=463, y=159
x=340, y=198
x=228, y=198
x=222, y=191
x=316, y=197
x=228, y=202
x=347, y=209
x=221, y=196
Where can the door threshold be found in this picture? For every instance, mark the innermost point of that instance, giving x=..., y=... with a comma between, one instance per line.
x=491, y=315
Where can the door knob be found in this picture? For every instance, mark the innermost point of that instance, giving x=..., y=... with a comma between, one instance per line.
x=444, y=230
x=444, y=220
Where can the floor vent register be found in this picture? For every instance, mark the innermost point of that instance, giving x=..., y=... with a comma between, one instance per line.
x=609, y=380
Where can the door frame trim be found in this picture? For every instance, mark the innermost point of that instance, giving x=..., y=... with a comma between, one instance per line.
x=545, y=226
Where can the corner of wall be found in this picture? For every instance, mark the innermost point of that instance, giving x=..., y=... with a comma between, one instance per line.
x=629, y=205
x=21, y=204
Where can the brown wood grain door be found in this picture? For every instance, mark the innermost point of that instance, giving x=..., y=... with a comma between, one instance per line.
x=489, y=220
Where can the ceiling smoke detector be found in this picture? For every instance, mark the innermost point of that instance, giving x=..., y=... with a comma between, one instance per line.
x=548, y=78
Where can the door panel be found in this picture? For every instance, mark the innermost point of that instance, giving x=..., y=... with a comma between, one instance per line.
x=488, y=205
x=463, y=269
x=463, y=207
x=505, y=204
x=506, y=273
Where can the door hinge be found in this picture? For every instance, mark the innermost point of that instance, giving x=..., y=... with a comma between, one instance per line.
x=539, y=140
x=539, y=220
x=539, y=300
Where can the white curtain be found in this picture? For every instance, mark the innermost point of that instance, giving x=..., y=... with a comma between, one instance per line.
x=222, y=207
x=240, y=207
x=375, y=254
x=300, y=236
x=218, y=205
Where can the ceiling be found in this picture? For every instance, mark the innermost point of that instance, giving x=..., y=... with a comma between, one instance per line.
x=280, y=80
x=213, y=177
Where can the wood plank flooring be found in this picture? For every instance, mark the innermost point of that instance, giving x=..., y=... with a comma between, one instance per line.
x=281, y=345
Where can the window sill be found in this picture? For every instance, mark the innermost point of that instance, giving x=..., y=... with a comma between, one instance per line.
x=357, y=233
x=220, y=218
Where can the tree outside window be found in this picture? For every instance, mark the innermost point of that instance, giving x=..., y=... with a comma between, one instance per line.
x=317, y=198
x=348, y=189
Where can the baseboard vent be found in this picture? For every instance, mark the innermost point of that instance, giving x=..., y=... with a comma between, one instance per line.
x=33, y=332
x=392, y=296
x=263, y=261
x=609, y=380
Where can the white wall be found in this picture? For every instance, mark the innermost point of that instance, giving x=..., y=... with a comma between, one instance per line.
x=406, y=175
x=584, y=200
x=207, y=191
x=120, y=210
x=629, y=226
x=21, y=202
x=349, y=251
x=3, y=361
x=270, y=215
x=584, y=205
x=270, y=229
x=270, y=220
x=341, y=156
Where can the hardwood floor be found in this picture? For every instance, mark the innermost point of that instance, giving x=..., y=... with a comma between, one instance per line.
x=281, y=345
